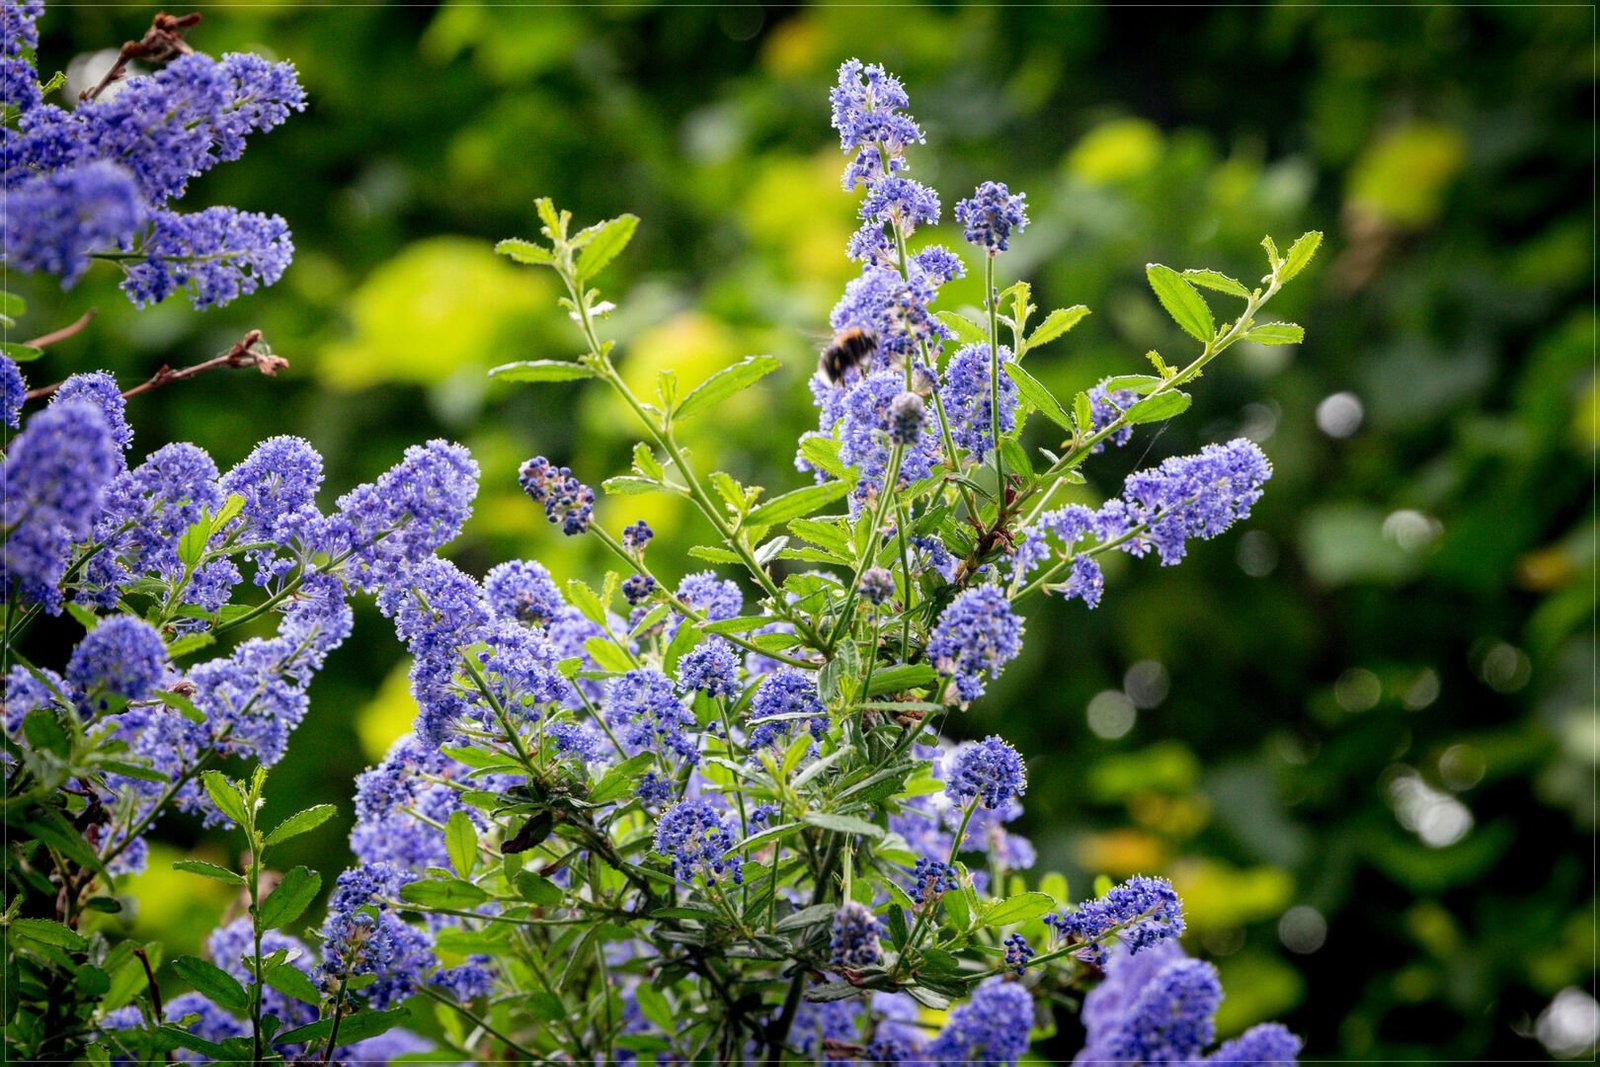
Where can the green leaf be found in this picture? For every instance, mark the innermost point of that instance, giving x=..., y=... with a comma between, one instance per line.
x=1159, y=407
x=461, y=842
x=526, y=252
x=628, y=485
x=1035, y=393
x=451, y=893
x=1218, y=282
x=190, y=643
x=541, y=370
x=1186, y=306
x=209, y=870
x=1277, y=333
x=290, y=900
x=645, y=462
x=654, y=1006
x=618, y=781
x=713, y=554
x=1082, y=413
x=227, y=798
x=182, y=1038
x=1300, y=255
x=584, y=599
x=49, y=932
x=610, y=238
x=537, y=889
x=182, y=705
x=352, y=1028
x=230, y=507
x=291, y=981
x=1136, y=383
x=301, y=822
x=843, y=824
x=217, y=985
x=1017, y=909
x=725, y=383
x=19, y=352
x=1054, y=325
x=607, y=656
x=796, y=504
x=44, y=732
x=967, y=332
x=822, y=452
x=900, y=677
x=193, y=543
x=1272, y=251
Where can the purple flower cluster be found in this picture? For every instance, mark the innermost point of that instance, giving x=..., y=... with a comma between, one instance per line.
x=1197, y=496
x=977, y=635
x=786, y=699
x=123, y=657
x=855, y=937
x=567, y=502
x=867, y=111
x=1140, y=912
x=55, y=474
x=711, y=667
x=991, y=214
x=989, y=771
x=991, y=1028
x=101, y=179
x=699, y=841
x=968, y=398
x=644, y=710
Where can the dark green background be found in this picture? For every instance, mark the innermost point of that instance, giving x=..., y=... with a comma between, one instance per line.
x=1447, y=154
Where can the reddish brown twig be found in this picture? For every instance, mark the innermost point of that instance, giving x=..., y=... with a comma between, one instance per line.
x=161, y=42
x=249, y=351
x=70, y=330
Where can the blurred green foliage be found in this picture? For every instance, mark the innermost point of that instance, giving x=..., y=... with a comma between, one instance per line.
x=1360, y=735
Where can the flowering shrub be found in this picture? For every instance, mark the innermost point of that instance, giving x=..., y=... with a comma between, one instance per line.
x=633, y=821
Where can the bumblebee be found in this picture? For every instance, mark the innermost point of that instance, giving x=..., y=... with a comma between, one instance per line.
x=850, y=350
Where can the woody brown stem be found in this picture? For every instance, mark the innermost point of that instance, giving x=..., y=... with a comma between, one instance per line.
x=160, y=43
x=70, y=330
x=244, y=353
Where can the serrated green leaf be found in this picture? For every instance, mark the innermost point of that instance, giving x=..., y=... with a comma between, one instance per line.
x=215, y=984
x=967, y=332
x=1217, y=282
x=461, y=842
x=19, y=352
x=290, y=900
x=525, y=252
x=584, y=599
x=226, y=796
x=209, y=870
x=352, y=1028
x=713, y=554
x=607, y=656
x=1083, y=413
x=1300, y=254
x=1186, y=306
x=49, y=932
x=1277, y=333
x=843, y=824
x=796, y=504
x=630, y=485
x=452, y=893
x=541, y=370
x=1035, y=393
x=1159, y=407
x=537, y=889
x=645, y=462
x=724, y=383
x=189, y=644
x=301, y=822
x=901, y=676
x=1017, y=909
x=608, y=240
x=1054, y=325
x=292, y=981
